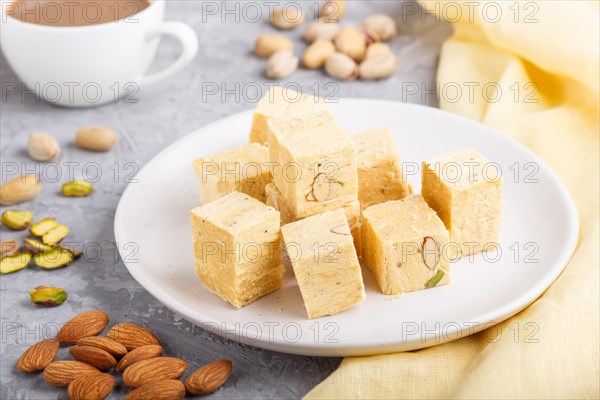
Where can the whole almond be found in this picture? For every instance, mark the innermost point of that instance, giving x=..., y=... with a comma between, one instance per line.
x=170, y=389
x=61, y=373
x=91, y=387
x=132, y=335
x=89, y=323
x=99, y=358
x=41, y=146
x=209, y=378
x=19, y=190
x=38, y=356
x=153, y=369
x=111, y=346
x=96, y=138
x=139, y=354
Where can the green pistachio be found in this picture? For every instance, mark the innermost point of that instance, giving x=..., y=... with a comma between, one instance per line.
x=39, y=228
x=53, y=259
x=17, y=220
x=14, y=263
x=77, y=189
x=435, y=280
x=48, y=296
x=55, y=234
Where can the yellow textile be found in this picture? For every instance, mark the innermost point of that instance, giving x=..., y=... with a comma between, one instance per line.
x=560, y=54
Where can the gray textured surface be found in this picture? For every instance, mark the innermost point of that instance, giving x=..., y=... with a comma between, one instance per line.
x=162, y=115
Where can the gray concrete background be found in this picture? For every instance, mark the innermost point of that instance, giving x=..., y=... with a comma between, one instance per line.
x=162, y=115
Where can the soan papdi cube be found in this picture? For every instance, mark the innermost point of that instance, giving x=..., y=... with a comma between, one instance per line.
x=352, y=211
x=237, y=248
x=466, y=192
x=243, y=169
x=405, y=245
x=325, y=264
x=313, y=163
x=282, y=102
x=380, y=176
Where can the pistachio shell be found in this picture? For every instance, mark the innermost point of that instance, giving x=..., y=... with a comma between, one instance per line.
x=96, y=138
x=17, y=220
x=267, y=45
x=19, y=190
x=333, y=10
x=287, y=17
x=41, y=146
x=282, y=64
x=321, y=29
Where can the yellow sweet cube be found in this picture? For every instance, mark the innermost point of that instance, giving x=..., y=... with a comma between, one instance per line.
x=243, y=169
x=325, y=264
x=380, y=176
x=405, y=245
x=313, y=163
x=237, y=248
x=282, y=102
x=466, y=192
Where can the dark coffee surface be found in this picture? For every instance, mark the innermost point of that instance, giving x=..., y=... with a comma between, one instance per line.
x=75, y=12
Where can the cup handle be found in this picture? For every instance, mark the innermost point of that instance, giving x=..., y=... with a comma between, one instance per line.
x=189, y=44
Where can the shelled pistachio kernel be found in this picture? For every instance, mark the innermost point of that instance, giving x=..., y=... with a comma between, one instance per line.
x=17, y=220
x=46, y=296
x=55, y=235
x=43, y=226
x=77, y=189
x=53, y=259
x=14, y=263
x=35, y=246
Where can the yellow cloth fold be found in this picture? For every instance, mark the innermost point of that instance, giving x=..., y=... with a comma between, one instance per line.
x=553, y=66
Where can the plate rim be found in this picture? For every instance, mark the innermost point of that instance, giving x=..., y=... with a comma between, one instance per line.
x=362, y=348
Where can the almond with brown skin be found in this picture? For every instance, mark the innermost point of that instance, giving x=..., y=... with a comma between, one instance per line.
x=132, y=335
x=91, y=387
x=170, y=389
x=209, y=378
x=139, y=354
x=38, y=356
x=153, y=369
x=61, y=373
x=430, y=252
x=94, y=356
x=89, y=323
x=111, y=346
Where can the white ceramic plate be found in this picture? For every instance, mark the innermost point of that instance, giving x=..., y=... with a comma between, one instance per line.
x=539, y=234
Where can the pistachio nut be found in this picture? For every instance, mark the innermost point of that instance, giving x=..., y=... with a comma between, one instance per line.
x=17, y=220
x=46, y=296
x=383, y=25
x=333, y=10
x=317, y=53
x=35, y=246
x=96, y=138
x=41, y=146
x=9, y=248
x=14, y=263
x=351, y=41
x=267, y=45
x=282, y=64
x=435, y=280
x=287, y=17
x=378, y=67
x=77, y=189
x=43, y=226
x=19, y=190
x=321, y=29
x=377, y=49
x=53, y=259
x=55, y=234
x=340, y=66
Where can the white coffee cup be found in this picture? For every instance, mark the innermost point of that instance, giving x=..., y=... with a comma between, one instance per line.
x=83, y=66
